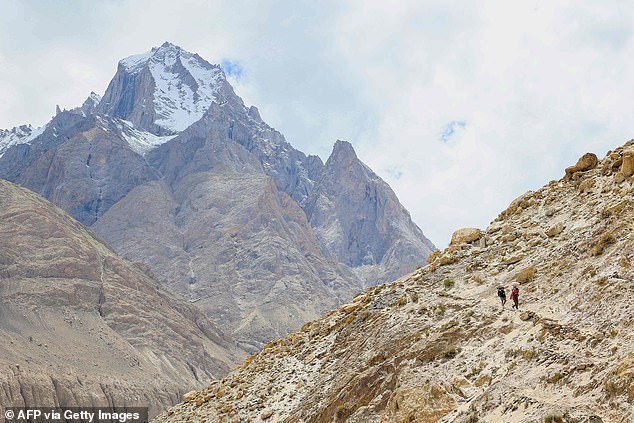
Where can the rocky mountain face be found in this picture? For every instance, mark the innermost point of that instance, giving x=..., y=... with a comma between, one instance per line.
x=357, y=216
x=173, y=170
x=437, y=345
x=82, y=327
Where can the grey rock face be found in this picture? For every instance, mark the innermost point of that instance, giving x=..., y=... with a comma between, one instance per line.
x=89, y=106
x=129, y=97
x=357, y=217
x=233, y=244
x=82, y=164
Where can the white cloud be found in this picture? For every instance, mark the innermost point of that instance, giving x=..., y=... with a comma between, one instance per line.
x=537, y=83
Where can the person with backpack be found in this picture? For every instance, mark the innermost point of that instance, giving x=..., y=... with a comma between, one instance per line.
x=515, y=296
x=502, y=295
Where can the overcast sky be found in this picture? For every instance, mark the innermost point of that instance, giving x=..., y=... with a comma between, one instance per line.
x=460, y=106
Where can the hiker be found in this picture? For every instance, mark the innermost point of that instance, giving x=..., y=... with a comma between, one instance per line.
x=515, y=296
x=502, y=295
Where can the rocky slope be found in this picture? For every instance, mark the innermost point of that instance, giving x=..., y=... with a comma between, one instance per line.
x=173, y=170
x=438, y=346
x=82, y=327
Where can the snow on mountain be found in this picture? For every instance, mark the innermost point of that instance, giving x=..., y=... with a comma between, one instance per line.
x=90, y=105
x=140, y=141
x=135, y=63
x=185, y=85
x=22, y=134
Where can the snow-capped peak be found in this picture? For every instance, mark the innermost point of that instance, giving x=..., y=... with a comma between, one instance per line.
x=185, y=85
x=135, y=63
x=22, y=134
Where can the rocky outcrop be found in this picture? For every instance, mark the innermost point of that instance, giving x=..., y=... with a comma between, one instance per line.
x=465, y=236
x=82, y=327
x=586, y=162
x=437, y=345
x=627, y=167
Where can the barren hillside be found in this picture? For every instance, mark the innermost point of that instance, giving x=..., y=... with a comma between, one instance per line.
x=82, y=327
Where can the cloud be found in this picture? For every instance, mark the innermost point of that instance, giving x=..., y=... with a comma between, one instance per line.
x=449, y=129
x=232, y=69
x=536, y=84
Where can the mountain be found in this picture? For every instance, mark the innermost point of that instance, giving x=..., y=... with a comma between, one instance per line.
x=437, y=346
x=357, y=216
x=164, y=90
x=82, y=327
x=22, y=134
x=173, y=170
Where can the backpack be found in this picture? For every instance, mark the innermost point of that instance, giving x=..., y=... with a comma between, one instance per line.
x=501, y=293
x=516, y=292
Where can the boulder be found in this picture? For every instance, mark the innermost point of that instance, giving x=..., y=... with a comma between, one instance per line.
x=465, y=235
x=513, y=259
x=619, y=177
x=627, y=167
x=586, y=162
x=555, y=230
x=189, y=396
x=448, y=258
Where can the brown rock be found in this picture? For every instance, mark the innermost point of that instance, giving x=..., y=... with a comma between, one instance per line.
x=619, y=177
x=513, y=259
x=508, y=237
x=420, y=403
x=555, y=230
x=266, y=414
x=189, y=396
x=627, y=167
x=434, y=256
x=349, y=308
x=465, y=235
x=447, y=259
x=586, y=162
x=586, y=186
